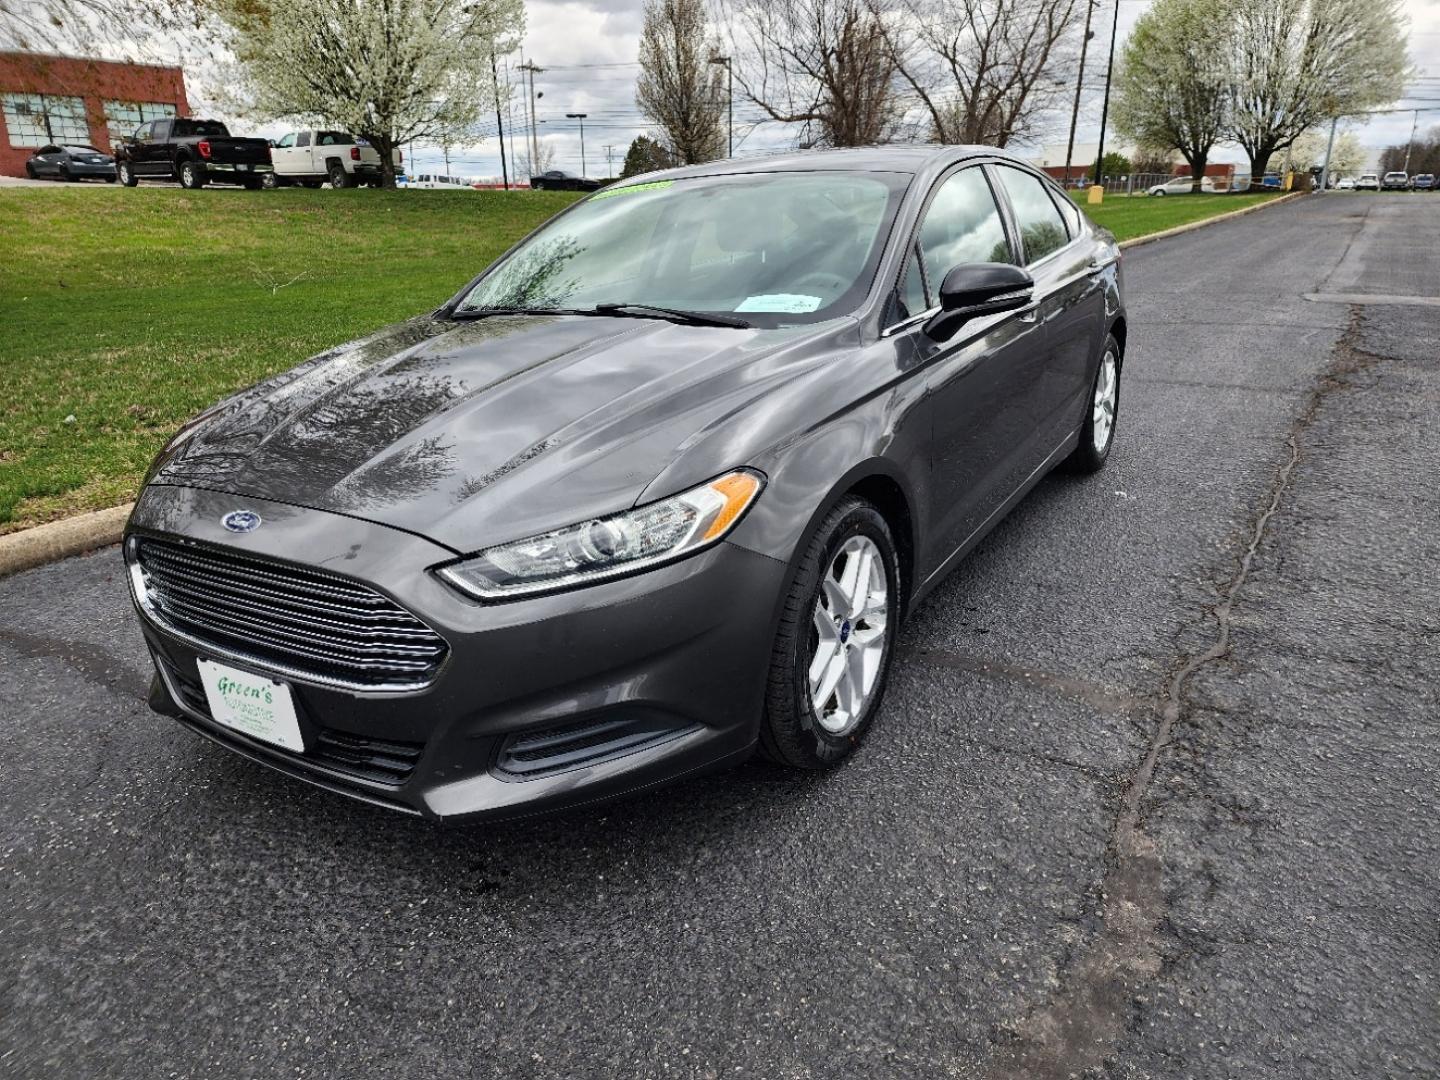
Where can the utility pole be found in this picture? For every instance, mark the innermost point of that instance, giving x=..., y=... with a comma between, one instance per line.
x=581, y=117
x=609, y=162
x=1105, y=111
x=445, y=149
x=1329, y=150
x=531, y=69
x=730, y=100
x=499, y=123
x=1079, y=82
x=1411, y=144
x=510, y=117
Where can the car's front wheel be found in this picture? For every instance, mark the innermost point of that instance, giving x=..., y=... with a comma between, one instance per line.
x=833, y=649
x=127, y=175
x=269, y=181
x=1097, y=434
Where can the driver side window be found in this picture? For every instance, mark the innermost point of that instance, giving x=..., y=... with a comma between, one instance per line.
x=286, y=142
x=962, y=225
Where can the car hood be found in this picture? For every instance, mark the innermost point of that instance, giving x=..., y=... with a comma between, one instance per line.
x=475, y=433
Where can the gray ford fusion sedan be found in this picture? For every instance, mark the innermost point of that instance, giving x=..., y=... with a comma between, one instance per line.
x=652, y=493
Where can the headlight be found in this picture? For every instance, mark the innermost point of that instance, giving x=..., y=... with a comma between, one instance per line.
x=608, y=547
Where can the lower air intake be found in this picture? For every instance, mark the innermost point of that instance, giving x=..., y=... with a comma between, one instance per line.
x=576, y=746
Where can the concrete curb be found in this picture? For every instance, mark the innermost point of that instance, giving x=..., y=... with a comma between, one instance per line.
x=61, y=539
x=85, y=532
x=1192, y=226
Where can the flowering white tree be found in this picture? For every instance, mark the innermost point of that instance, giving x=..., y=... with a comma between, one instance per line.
x=388, y=70
x=1297, y=64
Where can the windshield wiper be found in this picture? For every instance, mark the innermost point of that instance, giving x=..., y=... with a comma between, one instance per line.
x=688, y=318
x=486, y=312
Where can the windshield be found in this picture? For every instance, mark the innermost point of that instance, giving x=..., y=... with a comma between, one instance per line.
x=775, y=248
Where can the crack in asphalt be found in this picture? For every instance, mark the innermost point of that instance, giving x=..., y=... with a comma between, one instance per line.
x=1083, y=1021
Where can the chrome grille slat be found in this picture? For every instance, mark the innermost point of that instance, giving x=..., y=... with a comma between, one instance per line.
x=201, y=597
x=243, y=625
x=241, y=589
x=302, y=621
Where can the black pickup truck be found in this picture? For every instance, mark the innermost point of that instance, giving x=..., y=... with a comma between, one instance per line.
x=193, y=152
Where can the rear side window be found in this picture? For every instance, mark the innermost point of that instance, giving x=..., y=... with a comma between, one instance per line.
x=335, y=138
x=962, y=225
x=303, y=139
x=206, y=129
x=1042, y=229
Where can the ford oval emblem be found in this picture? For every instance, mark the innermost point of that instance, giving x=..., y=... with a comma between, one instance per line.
x=241, y=521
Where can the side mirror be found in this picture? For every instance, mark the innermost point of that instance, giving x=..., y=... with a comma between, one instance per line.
x=974, y=289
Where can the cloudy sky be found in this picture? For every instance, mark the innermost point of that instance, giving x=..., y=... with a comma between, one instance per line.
x=588, y=50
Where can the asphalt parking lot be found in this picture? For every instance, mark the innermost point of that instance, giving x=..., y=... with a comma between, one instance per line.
x=1153, y=795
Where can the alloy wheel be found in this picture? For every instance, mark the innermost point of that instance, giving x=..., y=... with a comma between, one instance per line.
x=1102, y=408
x=848, y=633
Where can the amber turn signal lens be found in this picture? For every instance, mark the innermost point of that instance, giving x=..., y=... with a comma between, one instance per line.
x=737, y=490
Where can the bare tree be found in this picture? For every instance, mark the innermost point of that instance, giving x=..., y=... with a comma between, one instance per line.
x=821, y=63
x=1299, y=63
x=1173, y=88
x=985, y=71
x=679, y=90
x=544, y=160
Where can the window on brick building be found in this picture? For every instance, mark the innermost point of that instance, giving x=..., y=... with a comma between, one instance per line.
x=123, y=117
x=38, y=119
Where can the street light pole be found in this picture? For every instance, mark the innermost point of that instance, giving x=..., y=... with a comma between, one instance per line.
x=1079, y=83
x=730, y=100
x=1105, y=110
x=581, y=117
x=1411, y=144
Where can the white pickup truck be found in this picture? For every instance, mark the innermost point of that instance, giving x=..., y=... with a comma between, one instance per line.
x=313, y=156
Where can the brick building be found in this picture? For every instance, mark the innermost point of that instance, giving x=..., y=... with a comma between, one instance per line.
x=64, y=99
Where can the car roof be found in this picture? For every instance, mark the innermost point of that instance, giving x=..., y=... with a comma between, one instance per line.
x=903, y=158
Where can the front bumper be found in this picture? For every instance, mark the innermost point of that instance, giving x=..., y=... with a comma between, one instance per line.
x=681, y=652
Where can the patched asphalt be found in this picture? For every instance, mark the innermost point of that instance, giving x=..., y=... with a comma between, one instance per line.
x=1031, y=869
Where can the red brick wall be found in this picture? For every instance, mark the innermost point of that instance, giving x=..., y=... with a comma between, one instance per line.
x=96, y=81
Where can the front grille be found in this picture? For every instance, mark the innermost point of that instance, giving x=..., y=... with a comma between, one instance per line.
x=381, y=761
x=534, y=754
x=304, y=621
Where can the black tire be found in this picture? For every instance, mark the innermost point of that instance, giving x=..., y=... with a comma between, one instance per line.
x=65, y=174
x=269, y=181
x=790, y=730
x=127, y=174
x=339, y=178
x=192, y=176
x=1088, y=457
x=30, y=170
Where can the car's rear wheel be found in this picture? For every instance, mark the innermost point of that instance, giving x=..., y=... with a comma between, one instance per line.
x=836, y=638
x=192, y=177
x=339, y=178
x=127, y=175
x=1097, y=434
x=269, y=181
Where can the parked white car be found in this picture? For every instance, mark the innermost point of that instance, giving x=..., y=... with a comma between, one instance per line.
x=1181, y=185
x=438, y=182
x=1345, y=183
x=313, y=156
x=1368, y=182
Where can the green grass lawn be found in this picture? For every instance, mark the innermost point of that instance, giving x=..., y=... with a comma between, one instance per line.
x=123, y=312
x=1129, y=216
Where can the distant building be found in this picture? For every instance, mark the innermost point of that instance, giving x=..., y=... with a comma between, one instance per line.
x=48, y=99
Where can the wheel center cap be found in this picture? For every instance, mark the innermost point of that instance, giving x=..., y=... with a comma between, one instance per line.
x=845, y=629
